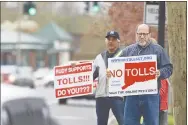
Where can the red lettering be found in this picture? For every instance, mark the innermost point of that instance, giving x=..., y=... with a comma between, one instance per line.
x=59, y=81
x=65, y=81
x=80, y=79
x=73, y=80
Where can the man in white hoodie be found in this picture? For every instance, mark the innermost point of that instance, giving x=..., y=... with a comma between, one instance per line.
x=103, y=102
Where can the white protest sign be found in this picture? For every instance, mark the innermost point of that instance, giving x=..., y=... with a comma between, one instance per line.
x=133, y=75
x=73, y=81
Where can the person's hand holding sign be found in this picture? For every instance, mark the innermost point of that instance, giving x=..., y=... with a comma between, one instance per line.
x=157, y=73
x=108, y=74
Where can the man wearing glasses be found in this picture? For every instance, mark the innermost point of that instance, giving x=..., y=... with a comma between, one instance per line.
x=147, y=106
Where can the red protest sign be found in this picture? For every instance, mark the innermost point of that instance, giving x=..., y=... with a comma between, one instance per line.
x=79, y=68
x=71, y=91
x=73, y=81
x=138, y=72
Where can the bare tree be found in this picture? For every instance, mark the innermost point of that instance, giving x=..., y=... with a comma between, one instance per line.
x=177, y=50
x=125, y=17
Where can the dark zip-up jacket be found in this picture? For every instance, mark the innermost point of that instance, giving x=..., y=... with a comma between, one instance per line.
x=163, y=62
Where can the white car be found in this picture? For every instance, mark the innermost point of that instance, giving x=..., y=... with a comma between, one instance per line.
x=20, y=76
x=44, y=77
x=22, y=106
x=40, y=73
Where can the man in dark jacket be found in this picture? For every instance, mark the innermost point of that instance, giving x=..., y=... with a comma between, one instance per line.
x=146, y=105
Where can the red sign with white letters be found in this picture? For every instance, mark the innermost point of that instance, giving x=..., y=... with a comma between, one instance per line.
x=139, y=72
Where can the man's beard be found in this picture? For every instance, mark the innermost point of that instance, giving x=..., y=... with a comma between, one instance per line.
x=142, y=43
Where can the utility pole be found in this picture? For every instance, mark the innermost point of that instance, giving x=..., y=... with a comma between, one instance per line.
x=161, y=24
x=18, y=50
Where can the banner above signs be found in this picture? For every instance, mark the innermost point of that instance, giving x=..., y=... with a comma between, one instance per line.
x=133, y=75
x=73, y=81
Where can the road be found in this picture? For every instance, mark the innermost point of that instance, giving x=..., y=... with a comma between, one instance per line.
x=76, y=112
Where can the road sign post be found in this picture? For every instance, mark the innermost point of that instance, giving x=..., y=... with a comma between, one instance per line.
x=161, y=27
x=156, y=15
x=151, y=13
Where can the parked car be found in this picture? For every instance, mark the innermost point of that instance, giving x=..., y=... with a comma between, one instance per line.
x=39, y=76
x=8, y=73
x=20, y=76
x=22, y=106
x=24, y=82
x=47, y=80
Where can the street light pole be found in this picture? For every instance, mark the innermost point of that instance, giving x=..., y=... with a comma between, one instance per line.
x=18, y=51
x=18, y=46
x=161, y=24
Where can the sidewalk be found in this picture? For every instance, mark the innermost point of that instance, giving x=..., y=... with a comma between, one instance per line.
x=112, y=121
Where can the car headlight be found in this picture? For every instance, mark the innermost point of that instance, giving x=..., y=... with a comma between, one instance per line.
x=4, y=117
x=12, y=78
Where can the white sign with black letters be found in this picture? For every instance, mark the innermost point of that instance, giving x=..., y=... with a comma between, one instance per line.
x=151, y=14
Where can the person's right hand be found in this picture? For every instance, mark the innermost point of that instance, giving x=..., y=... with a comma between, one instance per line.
x=108, y=74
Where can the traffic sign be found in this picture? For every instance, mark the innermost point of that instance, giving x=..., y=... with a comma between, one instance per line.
x=151, y=13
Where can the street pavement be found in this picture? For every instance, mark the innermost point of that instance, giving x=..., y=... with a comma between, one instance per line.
x=75, y=112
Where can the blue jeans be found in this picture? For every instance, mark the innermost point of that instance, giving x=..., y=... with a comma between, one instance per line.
x=142, y=105
x=163, y=118
x=103, y=106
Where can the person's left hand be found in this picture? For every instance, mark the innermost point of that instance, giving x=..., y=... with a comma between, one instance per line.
x=157, y=73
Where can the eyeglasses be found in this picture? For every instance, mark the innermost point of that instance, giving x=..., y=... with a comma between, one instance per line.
x=144, y=34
